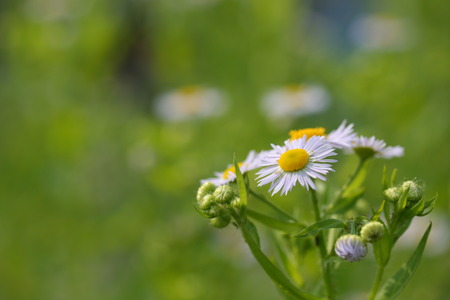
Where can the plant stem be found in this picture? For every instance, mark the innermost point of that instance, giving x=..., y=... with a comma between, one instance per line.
x=376, y=283
x=271, y=205
x=322, y=249
x=352, y=177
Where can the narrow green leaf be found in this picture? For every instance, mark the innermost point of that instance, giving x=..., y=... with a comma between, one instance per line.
x=273, y=207
x=272, y=271
x=200, y=211
x=377, y=214
x=319, y=226
x=429, y=206
x=275, y=223
x=401, y=204
x=384, y=180
x=342, y=204
x=393, y=177
x=242, y=188
x=395, y=285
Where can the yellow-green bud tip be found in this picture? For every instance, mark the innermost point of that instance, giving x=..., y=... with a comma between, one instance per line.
x=224, y=194
x=205, y=189
x=372, y=231
x=221, y=221
x=392, y=194
x=415, y=190
x=206, y=202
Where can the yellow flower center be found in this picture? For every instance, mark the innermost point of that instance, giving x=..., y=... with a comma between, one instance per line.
x=231, y=169
x=190, y=89
x=293, y=88
x=293, y=160
x=309, y=132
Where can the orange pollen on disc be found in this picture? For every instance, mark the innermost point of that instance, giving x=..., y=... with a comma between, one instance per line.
x=231, y=169
x=293, y=160
x=309, y=132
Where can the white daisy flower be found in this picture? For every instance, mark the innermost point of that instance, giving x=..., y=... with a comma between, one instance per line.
x=367, y=147
x=190, y=102
x=251, y=162
x=338, y=138
x=294, y=101
x=298, y=161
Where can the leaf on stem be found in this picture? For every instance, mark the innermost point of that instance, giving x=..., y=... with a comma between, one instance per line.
x=395, y=285
x=242, y=187
x=271, y=270
x=377, y=214
x=319, y=226
x=275, y=223
x=429, y=205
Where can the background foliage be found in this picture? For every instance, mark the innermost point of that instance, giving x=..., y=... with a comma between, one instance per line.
x=96, y=190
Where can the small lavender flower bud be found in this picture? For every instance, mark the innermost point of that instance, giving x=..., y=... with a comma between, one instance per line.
x=415, y=190
x=206, y=202
x=350, y=247
x=392, y=194
x=221, y=221
x=372, y=231
x=224, y=194
x=205, y=189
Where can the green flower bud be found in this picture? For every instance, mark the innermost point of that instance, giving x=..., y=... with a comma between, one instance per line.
x=372, y=232
x=236, y=202
x=215, y=211
x=392, y=194
x=207, y=202
x=221, y=222
x=224, y=194
x=205, y=189
x=415, y=190
x=350, y=247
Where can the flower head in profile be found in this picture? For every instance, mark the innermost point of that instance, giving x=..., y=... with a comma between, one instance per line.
x=188, y=103
x=338, y=138
x=350, y=247
x=299, y=160
x=250, y=163
x=366, y=147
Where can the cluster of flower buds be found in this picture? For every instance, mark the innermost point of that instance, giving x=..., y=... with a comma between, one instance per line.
x=215, y=203
x=408, y=196
x=353, y=247
x=413, y=190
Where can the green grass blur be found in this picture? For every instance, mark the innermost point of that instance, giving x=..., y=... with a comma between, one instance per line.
x=96, y=191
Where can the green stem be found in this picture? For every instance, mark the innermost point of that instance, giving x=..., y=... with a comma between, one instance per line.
x=352, y=178
x=326, y=272
x=376, y=283
x=271, y=205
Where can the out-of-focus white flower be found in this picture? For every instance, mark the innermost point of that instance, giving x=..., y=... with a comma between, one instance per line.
x=439, y=240
x=298, y=160
x=141, y=156
x=190, y=102
x=367, y=147
x=338, y=138
x=381, y=32
x=251, y=162
x=294, y=101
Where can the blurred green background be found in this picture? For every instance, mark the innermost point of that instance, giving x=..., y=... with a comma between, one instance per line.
x=96, y=187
